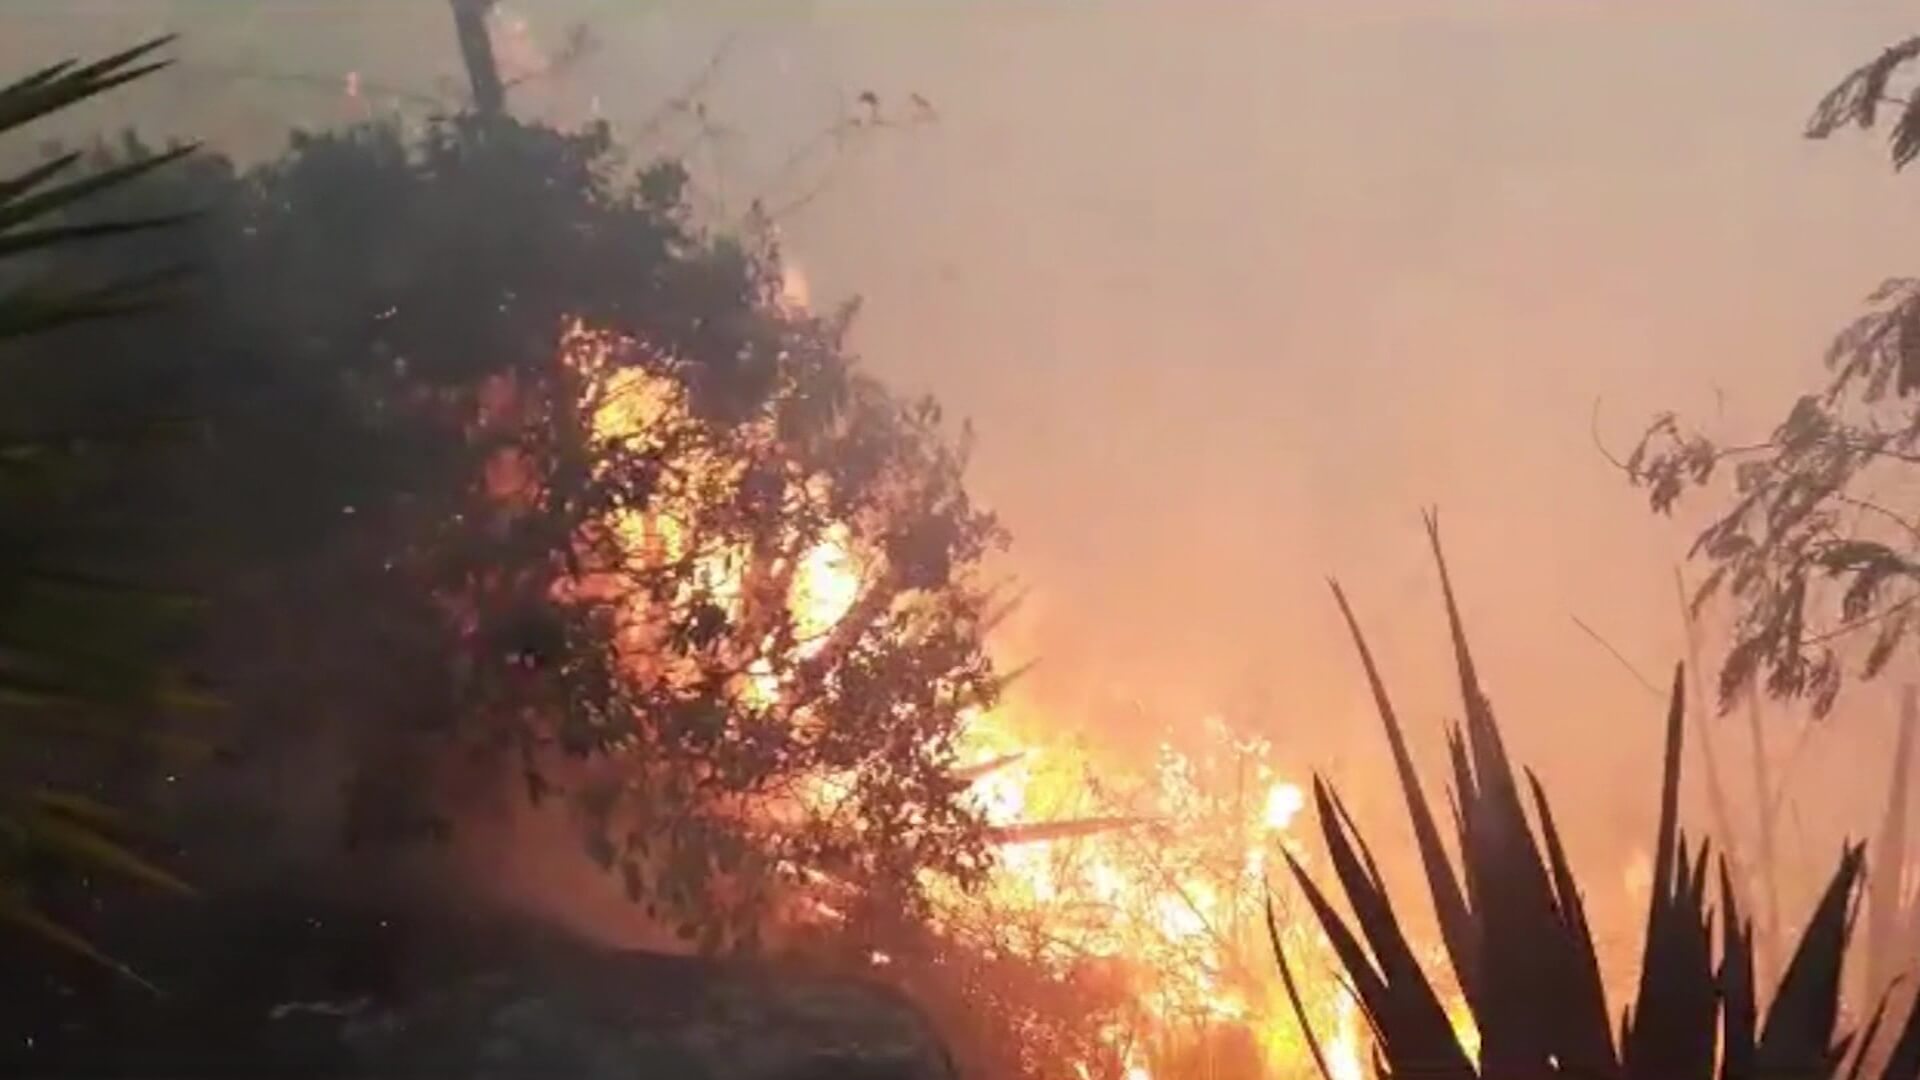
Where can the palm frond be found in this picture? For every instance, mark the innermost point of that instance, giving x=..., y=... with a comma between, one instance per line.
x=77, y=650
x=61, y=85
x=22, y=914
x=1457, y=929
x=1739, y=1012
x=1540, y=1007
x=32, y=203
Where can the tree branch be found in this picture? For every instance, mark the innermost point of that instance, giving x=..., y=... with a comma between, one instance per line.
x=476, y=51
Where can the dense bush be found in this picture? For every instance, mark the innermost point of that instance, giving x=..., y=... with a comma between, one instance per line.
x=424, y=546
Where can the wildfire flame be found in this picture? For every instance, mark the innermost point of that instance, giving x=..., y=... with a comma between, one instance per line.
x=1162, y=872
x=1179, y=902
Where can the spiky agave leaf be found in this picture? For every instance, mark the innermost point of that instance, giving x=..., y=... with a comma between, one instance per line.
x=1457, y=930
x=1800, y=1035
x=1542, y=1004
x=1520, y=927
x=1670, y=1032
x=1739, y=1012
x=1686, y=1013
x=1587, y=1049
x=1683, y=1020
x=1400, y=1005
x=1903, y=1057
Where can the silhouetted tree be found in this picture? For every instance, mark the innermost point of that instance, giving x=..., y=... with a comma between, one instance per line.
x=427, y=545
x=1821, y=544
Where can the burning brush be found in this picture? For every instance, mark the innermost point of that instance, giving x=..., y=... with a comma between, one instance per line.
x=1517, y=938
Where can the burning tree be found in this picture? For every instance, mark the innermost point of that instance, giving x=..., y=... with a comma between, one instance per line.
x=503, y=460
x=510, y=481
x=1122, y=931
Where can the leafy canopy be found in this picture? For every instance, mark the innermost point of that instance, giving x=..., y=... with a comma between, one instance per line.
x=506, y=461
x=1821, y=545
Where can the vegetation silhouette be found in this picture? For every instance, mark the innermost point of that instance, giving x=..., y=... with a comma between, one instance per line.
x=1818, y=553
x=399, y=516
x=371, y=433
x=1517, y=936
x=83, y=631
x=1819, y=547
x=404, y=501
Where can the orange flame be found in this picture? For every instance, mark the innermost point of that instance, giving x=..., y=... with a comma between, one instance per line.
x=1175, y=892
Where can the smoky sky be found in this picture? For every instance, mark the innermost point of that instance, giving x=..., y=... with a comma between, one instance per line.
x=1231, y=290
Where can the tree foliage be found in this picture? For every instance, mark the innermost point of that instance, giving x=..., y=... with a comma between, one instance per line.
x=1821, y=545
x=506, y=460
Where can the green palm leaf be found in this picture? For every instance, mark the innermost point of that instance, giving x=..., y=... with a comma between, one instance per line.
x=77, y=640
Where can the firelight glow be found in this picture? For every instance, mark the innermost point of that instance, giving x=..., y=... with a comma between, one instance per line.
x=1174, y=898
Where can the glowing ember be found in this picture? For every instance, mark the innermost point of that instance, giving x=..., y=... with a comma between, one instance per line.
x=795, y=292
x=1343, y=1047
x=1284, y=801
x=825, y=587
x=1637, y=878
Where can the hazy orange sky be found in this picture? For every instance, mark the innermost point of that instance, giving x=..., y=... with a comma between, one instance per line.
x=1231, y=289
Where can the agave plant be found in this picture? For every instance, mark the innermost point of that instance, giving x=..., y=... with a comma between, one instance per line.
x=1516, y=935
x=75, y=651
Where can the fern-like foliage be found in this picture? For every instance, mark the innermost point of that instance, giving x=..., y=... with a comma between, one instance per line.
x=1860, y=97
x=1819, y=548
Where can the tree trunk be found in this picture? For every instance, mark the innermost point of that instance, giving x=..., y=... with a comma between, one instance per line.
x=476, y=51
